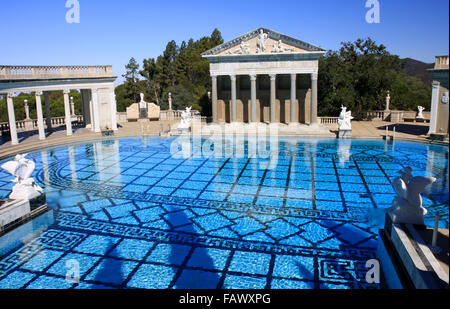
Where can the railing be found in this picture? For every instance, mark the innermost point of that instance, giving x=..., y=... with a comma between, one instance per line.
x=441, y=63
x=46, y=72
x=377, y=115
x=174, y=114
x=395, y=115
x=32, y=125
x=328, y=120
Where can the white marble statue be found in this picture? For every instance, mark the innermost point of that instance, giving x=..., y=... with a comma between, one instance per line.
x=244, y=48
x=278, y=47
x=186, y=119
x=142, y=103
x=25, y=188
x=262, y=39
x=445, y=99
x=420, y=114
x=345, y=119
x=407, y=205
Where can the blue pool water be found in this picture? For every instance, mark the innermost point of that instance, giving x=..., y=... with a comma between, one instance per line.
x=168, y=213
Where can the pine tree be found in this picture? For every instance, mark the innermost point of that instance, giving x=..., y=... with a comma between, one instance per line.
x=132, y=79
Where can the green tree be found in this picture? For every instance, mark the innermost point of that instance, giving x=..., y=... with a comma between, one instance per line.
x=133, y=86
x=359, y=75
x=152, y=87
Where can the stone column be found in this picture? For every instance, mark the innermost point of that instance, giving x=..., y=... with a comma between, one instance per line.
x=214, y=98
x=313, y=98
x=253, y=98
x=67, y=112
x=48, y=117
x=293, y=111
x=233, y=98
x=95, y=110
x=40, y=117
x=273, y=85
x=113, y=109
x=434, y=107
x=12, y=118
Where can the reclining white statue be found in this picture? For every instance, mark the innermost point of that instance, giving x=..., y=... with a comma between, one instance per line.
x=25, y=188
x=407, y=206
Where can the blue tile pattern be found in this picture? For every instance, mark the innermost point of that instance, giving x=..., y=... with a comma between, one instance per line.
x=134, y=213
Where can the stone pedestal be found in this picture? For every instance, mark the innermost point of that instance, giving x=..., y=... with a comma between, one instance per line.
x=406, y=259
x=345, y=133
x=29, y=125
x=15, y=212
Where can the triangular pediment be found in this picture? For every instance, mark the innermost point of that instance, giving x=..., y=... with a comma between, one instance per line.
x=262, y=41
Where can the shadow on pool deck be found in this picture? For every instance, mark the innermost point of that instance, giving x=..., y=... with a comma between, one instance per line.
x=191, y=279
x=412, y=129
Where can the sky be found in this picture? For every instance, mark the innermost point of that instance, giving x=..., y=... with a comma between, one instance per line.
x=110, y=32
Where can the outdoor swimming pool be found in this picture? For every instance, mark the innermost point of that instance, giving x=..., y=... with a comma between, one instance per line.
x=198, y=213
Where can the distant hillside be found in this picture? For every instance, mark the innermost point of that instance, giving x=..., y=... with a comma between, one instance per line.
x=419, y=69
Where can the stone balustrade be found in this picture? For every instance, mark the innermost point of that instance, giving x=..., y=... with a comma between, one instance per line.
x=32, y=124
x=47, y=72
x=328, y=120
x=441, y=63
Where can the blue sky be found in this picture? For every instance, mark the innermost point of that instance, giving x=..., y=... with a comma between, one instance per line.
x=112, y=31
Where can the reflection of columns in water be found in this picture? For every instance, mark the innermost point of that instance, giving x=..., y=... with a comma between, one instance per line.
x=312, y=155
x=112, y=148
x=228, y=146
x=292, y=144
x=196, y=140
x=273, y=147
x=252, y=146
x=73, y=167
x=430, y=161
x=262, y=151
x=240, y=146
x=45, y=168
x=213, y=144
x=441, y=185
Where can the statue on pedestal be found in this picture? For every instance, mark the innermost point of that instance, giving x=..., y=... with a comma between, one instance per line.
x=143, y=108
x=420, y=114
x=25, y=188
x=344, y=122
x=186, y=119
x=407, y=205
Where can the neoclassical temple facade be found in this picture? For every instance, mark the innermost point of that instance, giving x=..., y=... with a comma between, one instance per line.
x=264, y=76
x=95, y=83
